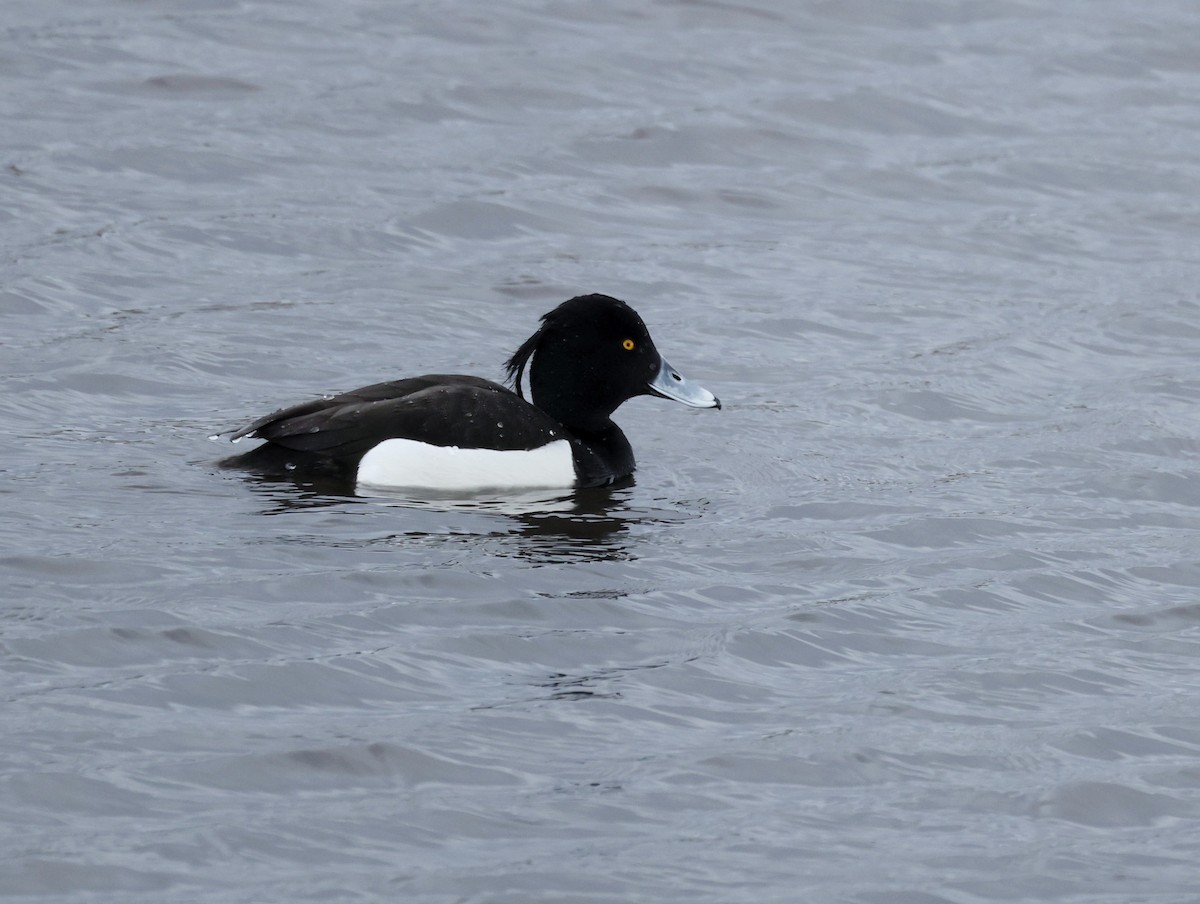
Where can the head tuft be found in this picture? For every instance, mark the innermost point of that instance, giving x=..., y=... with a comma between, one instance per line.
x=515, y=366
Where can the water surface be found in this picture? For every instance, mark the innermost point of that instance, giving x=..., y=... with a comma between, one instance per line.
x=915, y=618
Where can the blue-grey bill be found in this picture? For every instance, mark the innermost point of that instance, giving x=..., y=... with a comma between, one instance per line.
x=669, y=383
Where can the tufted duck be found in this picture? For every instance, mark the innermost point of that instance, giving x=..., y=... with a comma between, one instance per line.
x=452, y=432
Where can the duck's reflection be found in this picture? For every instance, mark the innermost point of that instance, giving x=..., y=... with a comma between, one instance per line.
x=542, y=526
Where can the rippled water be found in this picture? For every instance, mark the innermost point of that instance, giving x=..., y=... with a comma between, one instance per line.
x=915, y=619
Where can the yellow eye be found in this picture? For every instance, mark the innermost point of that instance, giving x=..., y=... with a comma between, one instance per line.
x=627, y=345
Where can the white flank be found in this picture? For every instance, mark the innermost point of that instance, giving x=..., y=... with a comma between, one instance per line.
x=409, y=463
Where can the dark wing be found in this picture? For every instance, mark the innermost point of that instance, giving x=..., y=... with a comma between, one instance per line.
x=376, y=392
x=440, y=409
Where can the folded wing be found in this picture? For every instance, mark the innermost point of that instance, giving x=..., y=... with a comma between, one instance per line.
x=438, y=409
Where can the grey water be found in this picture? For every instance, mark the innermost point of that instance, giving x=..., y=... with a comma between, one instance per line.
x=914, y=619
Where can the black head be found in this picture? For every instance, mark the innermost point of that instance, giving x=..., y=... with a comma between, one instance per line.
x=590, y=354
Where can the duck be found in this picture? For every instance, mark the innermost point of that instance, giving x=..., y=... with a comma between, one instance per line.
x=453, y=432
